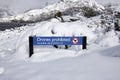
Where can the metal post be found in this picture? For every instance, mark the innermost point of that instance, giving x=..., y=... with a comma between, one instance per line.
x=31, y=51
x=84, y=42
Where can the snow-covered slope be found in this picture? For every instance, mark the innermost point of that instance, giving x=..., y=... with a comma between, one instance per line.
x=5, y=12
x=49, y=11
x=108, y=1
x=21, y=6
x=92, y=66
x=19, y=47
x=100, y=61
x=96, y=63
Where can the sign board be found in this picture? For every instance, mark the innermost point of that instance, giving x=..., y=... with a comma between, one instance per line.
x=57, y=40
x=36, y=41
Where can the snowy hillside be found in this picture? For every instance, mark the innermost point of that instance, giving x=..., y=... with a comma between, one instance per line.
x=100, y=61
x=108, y=1
x=5, y=12
x=49, y=11
x=21, y=6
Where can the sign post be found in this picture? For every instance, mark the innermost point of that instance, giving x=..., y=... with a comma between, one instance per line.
x=31, y=50
x=56, y=41
x=84, y=44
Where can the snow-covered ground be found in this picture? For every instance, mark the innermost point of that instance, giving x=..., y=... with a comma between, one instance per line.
x=100, y=61
x=93, y=66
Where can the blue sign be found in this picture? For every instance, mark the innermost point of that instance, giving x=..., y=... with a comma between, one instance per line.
x=57, y=40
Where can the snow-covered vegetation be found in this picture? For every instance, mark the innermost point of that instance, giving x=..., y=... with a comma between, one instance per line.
x=100, y=61
x=67, y=8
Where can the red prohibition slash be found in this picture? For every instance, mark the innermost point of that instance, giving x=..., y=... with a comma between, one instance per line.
x=75, y=40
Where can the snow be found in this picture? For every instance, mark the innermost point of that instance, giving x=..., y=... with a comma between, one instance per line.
x=87, y=66
x=21, y=6
x=45, y=28
x=15, y=7
x=19, y=47
x=112, y=52
x=1, y=70
x=109, y=40
x=108, y=1
x=50, y=10
x=118, y=8
x=100, y=61
x=6, y=11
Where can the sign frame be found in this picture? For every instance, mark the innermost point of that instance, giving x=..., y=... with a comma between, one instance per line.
x=32, y=40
